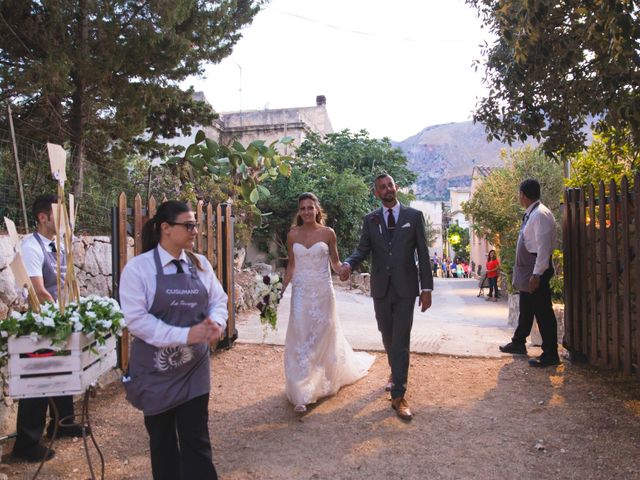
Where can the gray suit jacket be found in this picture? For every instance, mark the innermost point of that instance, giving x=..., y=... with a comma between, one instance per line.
x=395, y=261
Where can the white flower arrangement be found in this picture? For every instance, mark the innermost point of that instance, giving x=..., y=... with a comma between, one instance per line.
x=267, y=295
x=99, y=316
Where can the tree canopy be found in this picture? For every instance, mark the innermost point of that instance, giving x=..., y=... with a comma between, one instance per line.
x=458, y=238
x=556, y=66
x=604, y=161
x=360, y=154
x=101, y=77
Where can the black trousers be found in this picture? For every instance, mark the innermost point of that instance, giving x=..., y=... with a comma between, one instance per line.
x=179, y=441
x=538, y=305
x=32, y=417
x=394, y=315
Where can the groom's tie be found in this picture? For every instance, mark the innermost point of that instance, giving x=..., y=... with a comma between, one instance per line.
x=391, y=223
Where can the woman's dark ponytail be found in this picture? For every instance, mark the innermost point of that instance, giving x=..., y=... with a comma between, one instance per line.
x=150, y=234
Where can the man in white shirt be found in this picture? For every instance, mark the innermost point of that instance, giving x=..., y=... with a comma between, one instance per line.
x=40, y=259
x=531, y=274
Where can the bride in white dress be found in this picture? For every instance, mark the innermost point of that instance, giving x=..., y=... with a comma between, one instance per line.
x=318, y=360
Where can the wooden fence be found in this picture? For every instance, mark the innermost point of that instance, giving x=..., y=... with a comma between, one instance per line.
x=602, y=269
x=214, y=240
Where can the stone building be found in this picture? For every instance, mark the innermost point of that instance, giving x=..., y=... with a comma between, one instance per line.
x=272, y=124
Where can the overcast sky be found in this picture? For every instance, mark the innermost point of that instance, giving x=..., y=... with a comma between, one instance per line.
x=392, y=68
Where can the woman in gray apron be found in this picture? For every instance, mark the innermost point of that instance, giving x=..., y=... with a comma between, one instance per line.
x=175, y=307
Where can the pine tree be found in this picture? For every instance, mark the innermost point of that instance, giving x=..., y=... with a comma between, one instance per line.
x=101, y=76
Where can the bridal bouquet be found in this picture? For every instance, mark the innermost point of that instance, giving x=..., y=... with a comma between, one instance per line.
x=100, y=316
x=267, y=294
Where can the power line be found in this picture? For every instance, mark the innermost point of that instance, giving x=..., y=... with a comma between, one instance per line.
x=338, y=27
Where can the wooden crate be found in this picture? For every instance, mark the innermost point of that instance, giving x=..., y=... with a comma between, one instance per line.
x=69, y=372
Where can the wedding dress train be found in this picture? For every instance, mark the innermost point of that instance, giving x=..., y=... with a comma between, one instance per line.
x=318, y=360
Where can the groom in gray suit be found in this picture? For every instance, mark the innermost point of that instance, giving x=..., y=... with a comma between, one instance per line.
x=400, y=271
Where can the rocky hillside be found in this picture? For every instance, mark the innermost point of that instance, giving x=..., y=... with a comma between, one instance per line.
x=443, y=156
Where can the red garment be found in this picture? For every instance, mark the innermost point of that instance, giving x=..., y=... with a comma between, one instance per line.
x=491, y=264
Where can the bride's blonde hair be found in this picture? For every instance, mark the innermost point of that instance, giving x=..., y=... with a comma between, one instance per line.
x=320, y=216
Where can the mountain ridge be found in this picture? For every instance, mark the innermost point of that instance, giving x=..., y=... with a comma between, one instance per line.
x=444, y=155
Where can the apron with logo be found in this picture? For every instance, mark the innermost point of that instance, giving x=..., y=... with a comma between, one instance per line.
x=49, y=267
x=525, y=260
x=163, y=378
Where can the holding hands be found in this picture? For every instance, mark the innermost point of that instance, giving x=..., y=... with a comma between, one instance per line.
x=345, y=272
x=206, y=331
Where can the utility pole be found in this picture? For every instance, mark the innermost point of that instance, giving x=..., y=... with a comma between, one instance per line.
x=18, y=173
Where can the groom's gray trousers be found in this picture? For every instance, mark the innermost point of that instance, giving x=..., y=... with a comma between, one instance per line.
x=394, y=315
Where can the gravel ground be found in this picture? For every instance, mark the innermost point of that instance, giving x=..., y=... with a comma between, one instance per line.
x=475, y=418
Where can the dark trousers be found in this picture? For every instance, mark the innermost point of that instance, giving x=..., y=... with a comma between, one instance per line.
x=538, y=305
x=179, y=442
x=394, y=315
x=493, y=286
x=32, y=417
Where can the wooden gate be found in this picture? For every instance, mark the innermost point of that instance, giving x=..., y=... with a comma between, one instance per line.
x=602, y=269
x=214, y=240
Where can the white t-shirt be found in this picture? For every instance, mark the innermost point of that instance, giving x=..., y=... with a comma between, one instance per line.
x=32, y=255
x=539, y=235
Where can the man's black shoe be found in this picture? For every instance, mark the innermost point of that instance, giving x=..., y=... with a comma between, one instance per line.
x=542, y=362
x=515, y=348
x=33, y=454
x=70, y=431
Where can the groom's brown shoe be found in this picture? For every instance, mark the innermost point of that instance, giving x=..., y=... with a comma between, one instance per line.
x=401, y=407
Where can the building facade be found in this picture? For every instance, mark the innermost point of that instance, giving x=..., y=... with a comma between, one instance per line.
x=271, y=125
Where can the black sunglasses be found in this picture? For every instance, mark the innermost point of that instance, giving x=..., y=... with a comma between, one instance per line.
x=190, y=226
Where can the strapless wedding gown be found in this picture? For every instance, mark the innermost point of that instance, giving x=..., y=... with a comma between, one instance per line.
x=318, y=360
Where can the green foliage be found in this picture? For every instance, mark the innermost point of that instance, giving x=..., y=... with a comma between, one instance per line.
x=103, y=77
x=356, y=152
x=555, y=65
x=344, y=197
x=557, y=281
x=458, y=238
x=234, y=172
x=245, y=169
x=495, y=207
x=604, y=160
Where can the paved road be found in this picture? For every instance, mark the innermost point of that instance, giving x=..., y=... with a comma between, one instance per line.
x=458, y=323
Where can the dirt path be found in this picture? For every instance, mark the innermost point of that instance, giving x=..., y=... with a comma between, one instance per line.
x=474, y=419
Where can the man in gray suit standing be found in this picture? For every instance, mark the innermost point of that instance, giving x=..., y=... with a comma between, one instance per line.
x=395, y=236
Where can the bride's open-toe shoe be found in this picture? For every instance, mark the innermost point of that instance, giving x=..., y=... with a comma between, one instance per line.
x=300, y=408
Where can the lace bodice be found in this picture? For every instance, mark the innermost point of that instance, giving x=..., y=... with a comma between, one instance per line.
x=312, y=262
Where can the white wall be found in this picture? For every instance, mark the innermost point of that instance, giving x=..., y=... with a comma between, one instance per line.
x=432, y=210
